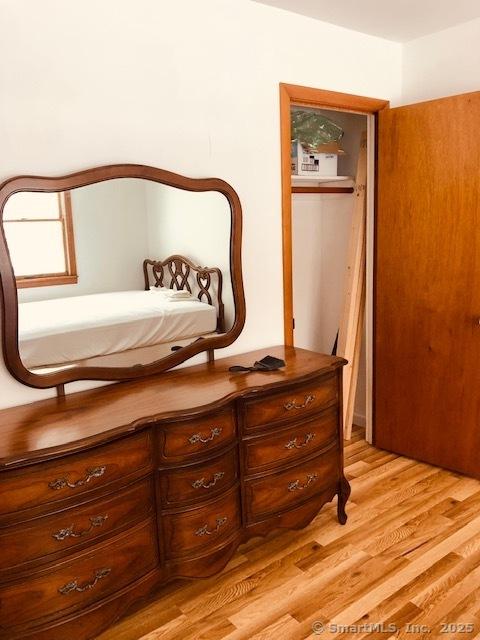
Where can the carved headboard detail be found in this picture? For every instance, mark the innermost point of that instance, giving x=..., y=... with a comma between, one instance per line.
x=178, y=272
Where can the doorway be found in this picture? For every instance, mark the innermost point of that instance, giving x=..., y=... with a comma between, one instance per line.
x=316, y=223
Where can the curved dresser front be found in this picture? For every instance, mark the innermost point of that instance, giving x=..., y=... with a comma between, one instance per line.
x=105, y=495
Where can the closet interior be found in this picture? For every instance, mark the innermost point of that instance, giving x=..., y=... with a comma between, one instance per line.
x=323, y=210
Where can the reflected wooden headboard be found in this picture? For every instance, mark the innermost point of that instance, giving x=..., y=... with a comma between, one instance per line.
x=178, y=272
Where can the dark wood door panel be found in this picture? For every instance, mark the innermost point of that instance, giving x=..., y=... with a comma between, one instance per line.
x=427, y=283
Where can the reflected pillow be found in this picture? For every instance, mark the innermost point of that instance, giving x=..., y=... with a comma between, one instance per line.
x=172, y=294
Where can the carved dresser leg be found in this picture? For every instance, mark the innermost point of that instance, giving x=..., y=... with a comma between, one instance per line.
x=344, y=491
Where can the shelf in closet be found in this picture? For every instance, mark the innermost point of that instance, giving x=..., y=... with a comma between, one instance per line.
x=311, y=184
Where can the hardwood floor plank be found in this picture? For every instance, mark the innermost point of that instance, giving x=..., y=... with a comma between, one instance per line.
x=278, y=571
x=285, y=627
x=409, y=554
x=155, y=616
x=448, y=584
x=287, y=596
x=217, y=632
x=412, y=569
x=456, y=531
x=469, y=547
x=372, y=522
x=399, y=600
x=466, y=488
x=357, y=469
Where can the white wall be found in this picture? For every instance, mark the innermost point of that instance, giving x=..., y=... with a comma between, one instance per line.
x=195, y=225
x=189, y=86
x=321, y=226
x=110, y=231
x=442, y=64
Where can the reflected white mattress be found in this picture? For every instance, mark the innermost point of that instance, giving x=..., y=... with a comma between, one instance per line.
x=71, y=329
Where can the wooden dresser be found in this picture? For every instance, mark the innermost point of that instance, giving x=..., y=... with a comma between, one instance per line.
x=107, y=494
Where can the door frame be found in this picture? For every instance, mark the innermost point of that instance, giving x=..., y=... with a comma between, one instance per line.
x=290, y=95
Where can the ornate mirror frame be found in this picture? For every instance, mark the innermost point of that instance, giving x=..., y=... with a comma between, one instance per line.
x=8, y=288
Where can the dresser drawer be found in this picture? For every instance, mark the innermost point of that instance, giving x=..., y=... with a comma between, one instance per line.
x=82, y=580
x=74, y=475
x=197, y=437
x=78, y=525
x=192, y=531
x=277, y=448
x=275, y=492
x=291, y=405
x=199, y=481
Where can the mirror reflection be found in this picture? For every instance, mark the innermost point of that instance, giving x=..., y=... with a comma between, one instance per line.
x=118, y=273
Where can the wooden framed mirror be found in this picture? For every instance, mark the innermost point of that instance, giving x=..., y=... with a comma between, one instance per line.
x=117, y=272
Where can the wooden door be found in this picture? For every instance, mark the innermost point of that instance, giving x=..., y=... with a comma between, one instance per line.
x=427, y=283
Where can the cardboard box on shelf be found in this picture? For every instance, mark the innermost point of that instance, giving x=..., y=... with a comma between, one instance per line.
x=321, y=161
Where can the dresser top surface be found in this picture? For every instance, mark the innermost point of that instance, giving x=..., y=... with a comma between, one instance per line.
x=41, y=429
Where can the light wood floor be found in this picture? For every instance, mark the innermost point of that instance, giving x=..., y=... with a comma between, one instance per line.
x=410, y=553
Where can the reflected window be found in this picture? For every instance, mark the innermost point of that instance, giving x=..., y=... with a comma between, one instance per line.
x=39, y=232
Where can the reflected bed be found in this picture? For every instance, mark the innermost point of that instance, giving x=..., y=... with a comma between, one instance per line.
x=122, y=326
x=66, y=330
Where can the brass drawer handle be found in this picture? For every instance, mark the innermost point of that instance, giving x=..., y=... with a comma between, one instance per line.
x=293, y=443
x=296, y=486
x=197, y=437
x=200, y=483
x=291, y=404
x=61, y=483
x=69, y=532
x=203, y=531
x=74, y=586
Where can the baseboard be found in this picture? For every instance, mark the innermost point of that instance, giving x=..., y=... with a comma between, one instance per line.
x=359, y=420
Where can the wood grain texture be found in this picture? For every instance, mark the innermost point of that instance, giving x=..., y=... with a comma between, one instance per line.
x=8, y=289
x=196, y=531
x=195, y=438
x=290, y=444
x=294, y=404
x=427, y=283
x=205, y=500
x=350, y=332
x=333, y=99
x=291, y=486
x=192, y=483
x=287, y=245
x=54, y=427
x=409, y=554
x=45, y=538
x=77, y=582
x=349, y=404
x=74, y=476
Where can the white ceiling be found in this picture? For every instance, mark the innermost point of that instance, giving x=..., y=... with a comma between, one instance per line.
x=399, y=20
